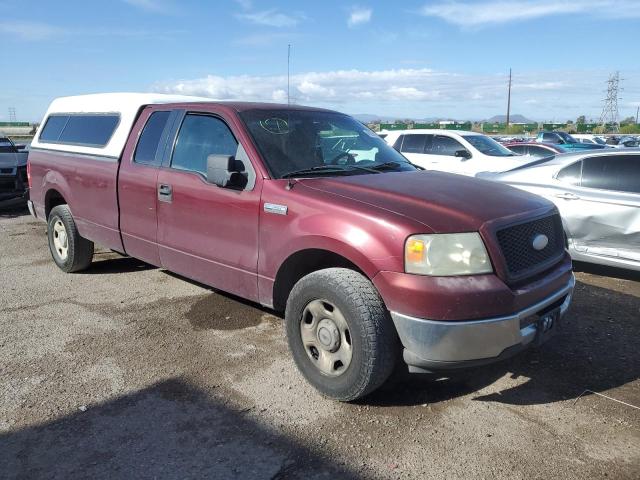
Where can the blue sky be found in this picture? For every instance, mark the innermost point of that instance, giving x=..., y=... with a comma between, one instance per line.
x=418, y=59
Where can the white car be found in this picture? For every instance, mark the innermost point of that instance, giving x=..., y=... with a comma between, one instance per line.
x=454, y=151
x=589, y=138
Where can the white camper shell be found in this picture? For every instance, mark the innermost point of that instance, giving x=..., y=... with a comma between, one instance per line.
x=124, y=106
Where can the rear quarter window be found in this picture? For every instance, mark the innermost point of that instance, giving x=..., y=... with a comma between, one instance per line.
x=94, y=130
x=147, y=148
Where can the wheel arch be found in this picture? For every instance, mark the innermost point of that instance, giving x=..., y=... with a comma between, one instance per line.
x=52, y=199
x=302, y=263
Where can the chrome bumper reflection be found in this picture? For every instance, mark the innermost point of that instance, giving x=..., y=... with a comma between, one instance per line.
x=467, y=341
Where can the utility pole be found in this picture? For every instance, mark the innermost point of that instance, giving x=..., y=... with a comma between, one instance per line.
x=288, y=72
x=637, y=111
x=509, y=99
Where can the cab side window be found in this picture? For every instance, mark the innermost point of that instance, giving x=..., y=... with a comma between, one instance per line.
x=520, y=149
x=571, y=174
x=620, y=173
x=539, y=152
x=199, y=137
x=443, y=145
x=414, y=143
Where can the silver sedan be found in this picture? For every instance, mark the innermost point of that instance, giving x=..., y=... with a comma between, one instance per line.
x=598, y=195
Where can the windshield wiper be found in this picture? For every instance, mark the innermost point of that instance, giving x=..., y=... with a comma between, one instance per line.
x=320, y=169
x=382, y=166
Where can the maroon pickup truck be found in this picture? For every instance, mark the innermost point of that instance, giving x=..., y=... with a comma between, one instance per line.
x=308, y=212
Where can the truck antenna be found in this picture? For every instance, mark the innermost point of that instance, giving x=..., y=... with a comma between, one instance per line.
x=288, y=72
x=509, y=99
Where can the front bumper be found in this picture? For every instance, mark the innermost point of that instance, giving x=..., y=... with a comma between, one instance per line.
x=436, y=345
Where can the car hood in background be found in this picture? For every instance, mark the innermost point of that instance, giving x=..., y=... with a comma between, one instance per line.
x=443, y=201
x=582, y=146
x=8, y=160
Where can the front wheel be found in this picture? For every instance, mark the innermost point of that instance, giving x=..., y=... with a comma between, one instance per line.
x=340, y=333
x=69, y=250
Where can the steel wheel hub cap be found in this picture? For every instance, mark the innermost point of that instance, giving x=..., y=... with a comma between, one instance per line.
x=326, y=337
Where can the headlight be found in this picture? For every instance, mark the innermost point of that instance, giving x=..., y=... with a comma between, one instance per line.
x=446, y=254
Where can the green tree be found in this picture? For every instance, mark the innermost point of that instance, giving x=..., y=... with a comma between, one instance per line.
x=630, y=129
x=515, y=129
x=581, y=119
x=628, y=121
x=600, y=129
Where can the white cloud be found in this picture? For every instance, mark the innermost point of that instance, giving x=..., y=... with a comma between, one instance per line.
x=155, y=6
x=30, y=31
x=271, y=18
x=359, y=16
x=488, y=12
x=418, y=92
x=245, y=4
x=540, y=85
x=312, y=87
x=33, y=31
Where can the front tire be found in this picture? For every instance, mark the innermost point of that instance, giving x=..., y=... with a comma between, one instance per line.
x=340, y=333
x=70, y=251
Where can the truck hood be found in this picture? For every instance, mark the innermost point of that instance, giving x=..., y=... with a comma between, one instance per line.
x=442, y=201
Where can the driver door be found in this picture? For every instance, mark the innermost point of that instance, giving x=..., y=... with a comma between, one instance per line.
x=205, y=232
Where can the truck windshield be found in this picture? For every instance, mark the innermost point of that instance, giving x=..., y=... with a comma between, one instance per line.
x=305, y=142
x=488, y=146
x=566, y=137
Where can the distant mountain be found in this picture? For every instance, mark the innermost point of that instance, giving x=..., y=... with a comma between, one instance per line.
x=512, y=118
x=369, y=117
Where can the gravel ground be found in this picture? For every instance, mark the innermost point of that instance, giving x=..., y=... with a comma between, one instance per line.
x=130, y=371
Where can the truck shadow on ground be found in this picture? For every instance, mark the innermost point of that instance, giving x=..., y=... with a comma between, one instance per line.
x=596, y=349
x=168, y=430
x=110, y=262
x=596, y=342
x=13, y=208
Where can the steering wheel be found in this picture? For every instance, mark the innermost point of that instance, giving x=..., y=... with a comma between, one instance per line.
x=349, y=159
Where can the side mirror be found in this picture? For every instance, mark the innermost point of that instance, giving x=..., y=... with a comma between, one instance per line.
x=462, y=154
x=222, y=171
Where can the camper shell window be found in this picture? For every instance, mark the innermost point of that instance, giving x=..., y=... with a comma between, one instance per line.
x=93, y=130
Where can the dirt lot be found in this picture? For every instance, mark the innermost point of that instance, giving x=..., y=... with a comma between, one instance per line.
x=129, y=371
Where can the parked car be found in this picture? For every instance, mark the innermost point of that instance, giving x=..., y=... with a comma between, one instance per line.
x=465, y=153
x=367, y=258
x=566, y=141
x=628, y=141
x=535, y=150
x=598, y=196
x=13, y=170
x=589, y=138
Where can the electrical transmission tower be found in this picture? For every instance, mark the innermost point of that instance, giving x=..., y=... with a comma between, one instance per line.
x=12, y=114
x=609, y=114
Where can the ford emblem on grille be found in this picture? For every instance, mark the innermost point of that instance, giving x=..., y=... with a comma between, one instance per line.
x=539, y=241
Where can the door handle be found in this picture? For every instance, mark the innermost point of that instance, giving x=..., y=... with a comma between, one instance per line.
x=165, y=193
x=567, y=196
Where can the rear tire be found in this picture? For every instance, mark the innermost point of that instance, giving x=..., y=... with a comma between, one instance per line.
x=340, y=333
x=70, y=251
